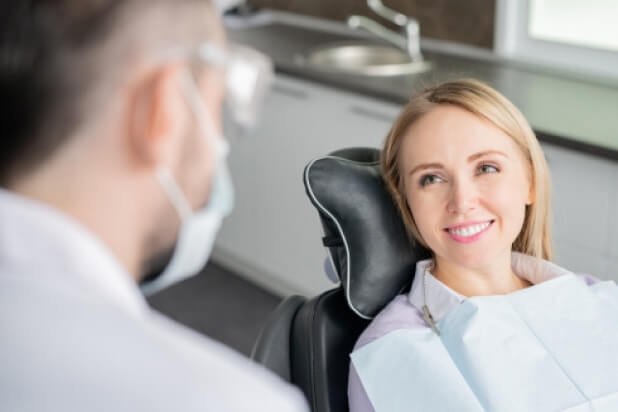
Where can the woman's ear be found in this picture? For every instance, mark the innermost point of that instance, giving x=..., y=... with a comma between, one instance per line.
x=156, y=116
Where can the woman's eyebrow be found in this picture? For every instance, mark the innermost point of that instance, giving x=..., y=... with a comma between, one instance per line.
x=426, y=166
x=475, y=156
x=471, y=158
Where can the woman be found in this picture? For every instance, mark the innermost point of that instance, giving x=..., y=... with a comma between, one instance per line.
x=472, y=185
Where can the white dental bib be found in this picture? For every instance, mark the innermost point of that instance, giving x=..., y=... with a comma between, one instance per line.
x=550, y=347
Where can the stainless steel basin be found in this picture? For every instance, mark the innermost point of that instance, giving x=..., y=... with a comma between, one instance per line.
x=362, y=58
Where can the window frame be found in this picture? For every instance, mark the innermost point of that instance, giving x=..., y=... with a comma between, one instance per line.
x=512, y=41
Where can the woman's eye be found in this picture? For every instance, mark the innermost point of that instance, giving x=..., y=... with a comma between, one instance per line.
x=487, y=169
x=430, y=179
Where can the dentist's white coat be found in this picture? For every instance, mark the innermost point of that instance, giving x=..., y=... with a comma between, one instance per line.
x=77, y=335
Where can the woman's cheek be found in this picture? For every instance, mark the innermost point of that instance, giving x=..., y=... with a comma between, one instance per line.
x=507, y=200
x=425, y=215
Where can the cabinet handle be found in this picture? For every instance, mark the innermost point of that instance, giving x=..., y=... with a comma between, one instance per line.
x=363, y=111
x=290, y=92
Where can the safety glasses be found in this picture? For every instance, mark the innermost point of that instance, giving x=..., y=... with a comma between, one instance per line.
x=249, y=75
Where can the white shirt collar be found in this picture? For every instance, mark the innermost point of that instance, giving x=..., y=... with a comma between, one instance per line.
x=39, y=241
x=441, y=299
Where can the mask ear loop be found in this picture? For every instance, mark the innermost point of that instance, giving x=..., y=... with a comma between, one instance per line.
x=218, y=142
x=202, y=114
x=174, y=193
x=196, y=104
x=164, y=176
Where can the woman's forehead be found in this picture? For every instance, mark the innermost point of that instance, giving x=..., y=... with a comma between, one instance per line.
x=449, y=133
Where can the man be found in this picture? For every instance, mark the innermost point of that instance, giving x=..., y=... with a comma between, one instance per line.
x=112, y=164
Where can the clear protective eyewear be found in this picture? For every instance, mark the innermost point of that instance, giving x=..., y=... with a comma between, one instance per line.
x=249, y=75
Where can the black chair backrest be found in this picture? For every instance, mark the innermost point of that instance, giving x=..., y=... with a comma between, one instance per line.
x=324, y=333
x=273, y=346
x=309, y=342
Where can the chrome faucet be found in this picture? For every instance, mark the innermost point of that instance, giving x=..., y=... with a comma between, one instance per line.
x=410, y=41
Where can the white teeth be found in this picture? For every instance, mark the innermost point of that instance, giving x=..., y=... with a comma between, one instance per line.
x=469, y=230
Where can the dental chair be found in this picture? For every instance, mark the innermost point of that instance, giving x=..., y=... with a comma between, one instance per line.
x=308, y=341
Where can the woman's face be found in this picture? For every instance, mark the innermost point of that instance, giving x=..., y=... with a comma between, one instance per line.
x=467, y=185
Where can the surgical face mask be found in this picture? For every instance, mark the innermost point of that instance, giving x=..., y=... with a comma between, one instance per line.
x=198, y=229
x=248, y=77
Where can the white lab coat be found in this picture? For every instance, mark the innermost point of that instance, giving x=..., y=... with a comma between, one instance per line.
x=77, y=335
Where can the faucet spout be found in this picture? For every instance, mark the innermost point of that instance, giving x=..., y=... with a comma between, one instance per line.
x=411, y=39
x=361, y=22
x=389, y=14
x=410, y=43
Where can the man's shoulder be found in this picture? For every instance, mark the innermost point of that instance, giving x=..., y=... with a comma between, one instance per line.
x=398, y=314
x=122, y=361
x=229, y=372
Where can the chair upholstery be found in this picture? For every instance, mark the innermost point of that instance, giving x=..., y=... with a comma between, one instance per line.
x=272, y=348
x=370, y=250
x=323, y=335
x=308, y=342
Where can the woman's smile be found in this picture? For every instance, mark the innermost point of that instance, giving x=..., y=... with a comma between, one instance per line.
x=469, y=232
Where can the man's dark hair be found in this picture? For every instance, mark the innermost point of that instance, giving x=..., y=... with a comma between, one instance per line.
x=47, y=69
x=38, y=40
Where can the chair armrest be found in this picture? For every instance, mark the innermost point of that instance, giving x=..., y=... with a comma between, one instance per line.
x=272, y=347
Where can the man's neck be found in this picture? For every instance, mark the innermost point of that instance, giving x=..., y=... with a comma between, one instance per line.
x=97, y=207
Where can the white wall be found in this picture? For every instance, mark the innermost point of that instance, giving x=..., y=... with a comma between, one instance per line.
x=585, y=205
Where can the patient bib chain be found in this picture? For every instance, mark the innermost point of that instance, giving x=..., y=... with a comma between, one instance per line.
x=426, y=313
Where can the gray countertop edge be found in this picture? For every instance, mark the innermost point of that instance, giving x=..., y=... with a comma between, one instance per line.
x=543, y=136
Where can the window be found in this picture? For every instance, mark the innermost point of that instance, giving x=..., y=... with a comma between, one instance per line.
x=574, y=35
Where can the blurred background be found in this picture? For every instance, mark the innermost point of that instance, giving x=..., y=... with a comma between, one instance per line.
x=344, y=70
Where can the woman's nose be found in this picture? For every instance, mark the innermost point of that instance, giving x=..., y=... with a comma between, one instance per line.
x=462, y=197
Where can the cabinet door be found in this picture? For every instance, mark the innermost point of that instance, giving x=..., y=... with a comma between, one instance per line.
x=612, y=263
x=274, y=235
x=585, y=193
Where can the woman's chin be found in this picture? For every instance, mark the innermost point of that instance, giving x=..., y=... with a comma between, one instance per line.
x=470, y=260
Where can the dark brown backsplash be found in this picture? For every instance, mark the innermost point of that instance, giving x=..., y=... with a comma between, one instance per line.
x=463, y=21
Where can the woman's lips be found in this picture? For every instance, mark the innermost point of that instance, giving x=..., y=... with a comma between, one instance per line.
x=469, y=232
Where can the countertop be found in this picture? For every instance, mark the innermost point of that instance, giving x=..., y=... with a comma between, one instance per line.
x=574, y=111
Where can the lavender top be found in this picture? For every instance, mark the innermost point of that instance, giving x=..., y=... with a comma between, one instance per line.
x=405, y=311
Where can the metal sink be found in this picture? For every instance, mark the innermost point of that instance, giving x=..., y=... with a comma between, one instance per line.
x=362, y=58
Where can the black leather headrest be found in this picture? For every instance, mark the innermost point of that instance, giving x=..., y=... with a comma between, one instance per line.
x=363, y=230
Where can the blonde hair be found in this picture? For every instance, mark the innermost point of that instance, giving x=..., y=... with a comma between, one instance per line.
x=535, y=237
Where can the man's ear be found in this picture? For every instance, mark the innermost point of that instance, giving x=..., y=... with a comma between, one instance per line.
x=156, y=116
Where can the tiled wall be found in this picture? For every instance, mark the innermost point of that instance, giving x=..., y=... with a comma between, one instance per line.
x=464, y=21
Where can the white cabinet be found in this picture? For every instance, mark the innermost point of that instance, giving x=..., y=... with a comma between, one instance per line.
x=613, y=224
x=585, y=202
x=273, y=236
x=612, y=255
